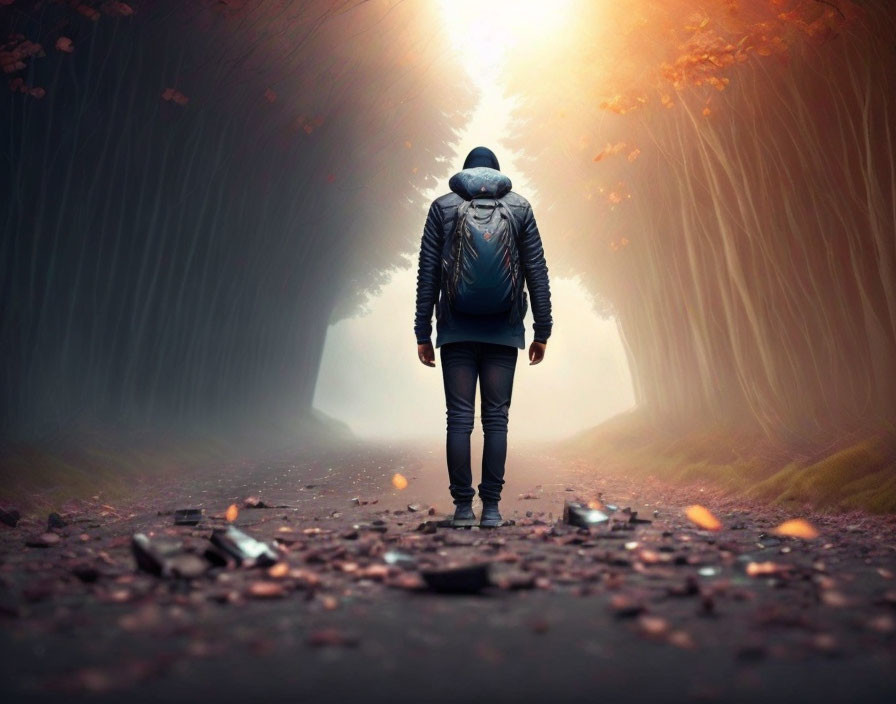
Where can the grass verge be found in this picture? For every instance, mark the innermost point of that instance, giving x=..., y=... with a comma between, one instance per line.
x=853, y=472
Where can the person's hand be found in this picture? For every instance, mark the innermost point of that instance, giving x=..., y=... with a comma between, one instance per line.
x=426, y=354
x=536, y=352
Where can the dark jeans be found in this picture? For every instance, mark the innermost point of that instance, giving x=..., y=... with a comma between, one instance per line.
x=494, y=365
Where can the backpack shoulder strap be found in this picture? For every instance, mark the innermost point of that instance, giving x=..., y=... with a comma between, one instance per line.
x=514, y=225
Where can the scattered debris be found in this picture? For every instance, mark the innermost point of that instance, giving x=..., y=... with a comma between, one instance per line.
x=510, y=580
x=166, y=557
x=653, y=626
x=266, y=590
x=152, y=555
x=10, y=517
x=458, y=580
x=86, y=573
x=44, y=540
x=625, y=606
x=187, y=516
x=243, y=548
x=399, y=559
x=765, y=569
x=575, y=514
x=332, y=637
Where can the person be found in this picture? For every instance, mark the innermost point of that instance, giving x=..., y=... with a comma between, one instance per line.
x=479, y=346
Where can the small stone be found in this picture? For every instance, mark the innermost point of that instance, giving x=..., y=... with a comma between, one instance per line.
x=44, y=540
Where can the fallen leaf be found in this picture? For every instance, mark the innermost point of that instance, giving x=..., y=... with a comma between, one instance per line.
x=764, y=569
x=331, y=636
x=653, y=626
x=232, y=512
x=266, y=590
x=281, y=569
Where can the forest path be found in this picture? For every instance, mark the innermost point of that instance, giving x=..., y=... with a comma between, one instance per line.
x=658, y=612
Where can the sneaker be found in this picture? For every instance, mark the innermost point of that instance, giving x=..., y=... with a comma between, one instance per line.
x=463, y=515
x=491, y=517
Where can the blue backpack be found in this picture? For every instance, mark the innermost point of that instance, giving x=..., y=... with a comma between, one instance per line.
x=485, y=276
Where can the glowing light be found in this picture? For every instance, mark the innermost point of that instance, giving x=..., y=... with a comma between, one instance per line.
x=484, y=34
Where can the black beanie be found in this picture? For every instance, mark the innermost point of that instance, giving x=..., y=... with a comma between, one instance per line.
x=482, y=156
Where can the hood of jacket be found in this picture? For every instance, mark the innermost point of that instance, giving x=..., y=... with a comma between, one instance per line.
x=480, y=181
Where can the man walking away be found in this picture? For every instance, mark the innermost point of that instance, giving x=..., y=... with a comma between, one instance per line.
x=480, y=245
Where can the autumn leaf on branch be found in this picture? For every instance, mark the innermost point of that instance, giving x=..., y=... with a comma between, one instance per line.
x=64, y=44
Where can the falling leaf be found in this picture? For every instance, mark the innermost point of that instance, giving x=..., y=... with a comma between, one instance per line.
x=399, y=481
x=65, y=44
x=634, y=154
x=232, y=512
x=707, y=112
x=407, y=145
x=797, y=528
x=702, y=517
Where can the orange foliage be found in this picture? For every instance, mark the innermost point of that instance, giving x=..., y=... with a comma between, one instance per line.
x=399, y=481
x=697, y=48
x=702, y=517
x=175, y=96
x=65, y=44
x=797, y=528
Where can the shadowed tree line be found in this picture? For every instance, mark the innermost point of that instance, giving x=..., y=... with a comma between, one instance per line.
x=194, y=190
x=722, y=174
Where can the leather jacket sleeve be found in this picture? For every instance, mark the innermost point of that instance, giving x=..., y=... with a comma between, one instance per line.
x=536, y=273
x=429, y=274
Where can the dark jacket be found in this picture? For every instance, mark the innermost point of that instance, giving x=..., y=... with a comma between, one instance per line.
x=434, y=253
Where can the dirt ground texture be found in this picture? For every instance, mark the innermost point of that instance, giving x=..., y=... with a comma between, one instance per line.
x=657, y=611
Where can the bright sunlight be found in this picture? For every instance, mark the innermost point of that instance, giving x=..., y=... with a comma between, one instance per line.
x=485, y=34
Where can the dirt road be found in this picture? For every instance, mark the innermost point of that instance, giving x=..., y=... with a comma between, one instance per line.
x=657, y=611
